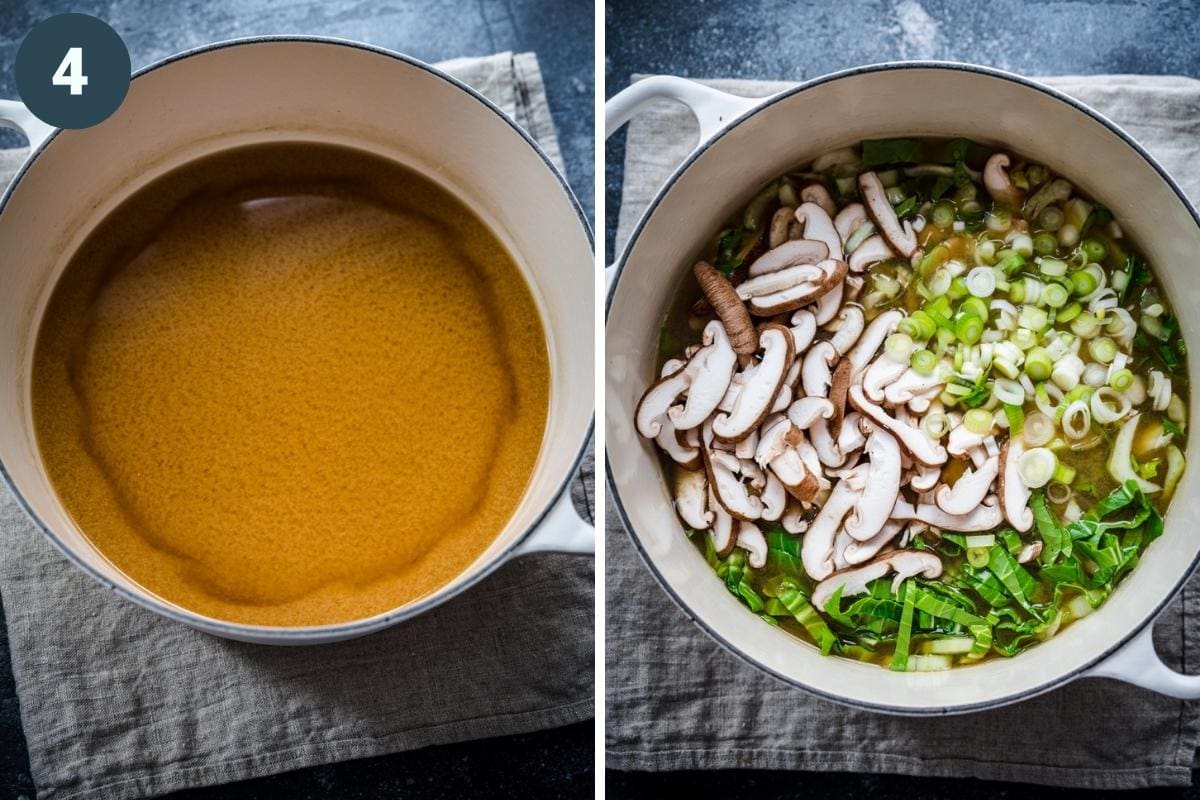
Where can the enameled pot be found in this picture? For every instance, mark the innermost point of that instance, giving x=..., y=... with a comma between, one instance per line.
x=318, y=90
x=744, y=144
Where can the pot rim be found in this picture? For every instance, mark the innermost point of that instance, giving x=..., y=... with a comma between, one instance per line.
x=367, y=625
x=767, y=103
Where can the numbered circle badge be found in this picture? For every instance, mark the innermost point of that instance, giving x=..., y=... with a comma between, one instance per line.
x=72, y=71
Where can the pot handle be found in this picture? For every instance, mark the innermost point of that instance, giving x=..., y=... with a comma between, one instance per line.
x=14, y=114
x=561, y=531
x=713, y=109
x=1139, y=664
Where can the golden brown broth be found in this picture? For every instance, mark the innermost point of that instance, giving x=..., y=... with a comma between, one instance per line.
x=291, y=384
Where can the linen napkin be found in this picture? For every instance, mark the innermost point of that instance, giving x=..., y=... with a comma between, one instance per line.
x=662, y=712
x=117, y=702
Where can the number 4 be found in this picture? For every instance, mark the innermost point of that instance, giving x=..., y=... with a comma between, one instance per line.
x=70, y=71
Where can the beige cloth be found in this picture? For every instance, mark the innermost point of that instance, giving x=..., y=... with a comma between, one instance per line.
x=117, y=702
x=677, y=700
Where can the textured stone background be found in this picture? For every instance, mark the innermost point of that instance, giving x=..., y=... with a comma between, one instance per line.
x=779, y=40
x=768, y=39
x=549, y=764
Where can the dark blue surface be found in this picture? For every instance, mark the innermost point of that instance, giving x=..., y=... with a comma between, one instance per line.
x=772, y=40
x=551, y=764
x=559, y=31
x=797, y=41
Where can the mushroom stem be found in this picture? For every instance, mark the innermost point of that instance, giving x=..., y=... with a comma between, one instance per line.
x=900, y=236
x=715, y=363
x=760, y=384
x=875, y=504
x=816, y=552
x=905, y=563
x=728, y=306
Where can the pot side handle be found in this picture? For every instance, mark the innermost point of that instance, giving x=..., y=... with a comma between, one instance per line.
x=713, y=109
x=560, y=531
x=14, y=114
x=1139, y=664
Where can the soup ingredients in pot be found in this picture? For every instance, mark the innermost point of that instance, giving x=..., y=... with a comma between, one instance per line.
x=937, y=406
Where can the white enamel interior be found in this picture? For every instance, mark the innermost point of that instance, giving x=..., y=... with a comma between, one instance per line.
x=894, y=102
x=298, y=90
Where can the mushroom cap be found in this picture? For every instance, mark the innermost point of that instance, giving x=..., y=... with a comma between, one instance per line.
x=962, y=440
x=812, y=462
x=728, y=306
x=807, y=410
x=1014, y=494
x=795, y=475
x=857, y=552
x=900, y=236
x=874, y=250
x=817, y=193
x=774, y=498
x=714, y=365
x=800, y=294
x=969, y=490
x=722, y=530
x=818, y=226
x=772, y=441
x=872, y=339
x=851, y=437
x=828, y=304
x=875, y=504
x=658, y=399
x=854, y=581
x=1029, y=552
x=839, y=387
x=913, y=440
x=983, y=517
x=848, y=219
x=751, y=539
x=781, y=223
x=815, y=375
x=691, y=499
x=909, y=563
x=1056, y=191
x=789, y=254
x=912, y=384
x=746, y=447
x=924, y=477
x=668, y=440
x=783, y=397
x=760, y=385
x=816, y=552
x=804, y=328
x=997, y=182
x=780, y=280
x=851, y=324
x=824, y=443
x=724, y=470
x=882, y=373
x=793, y=518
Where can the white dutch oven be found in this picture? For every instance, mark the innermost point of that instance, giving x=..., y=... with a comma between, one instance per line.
x=318, y=90
x=746, y=143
